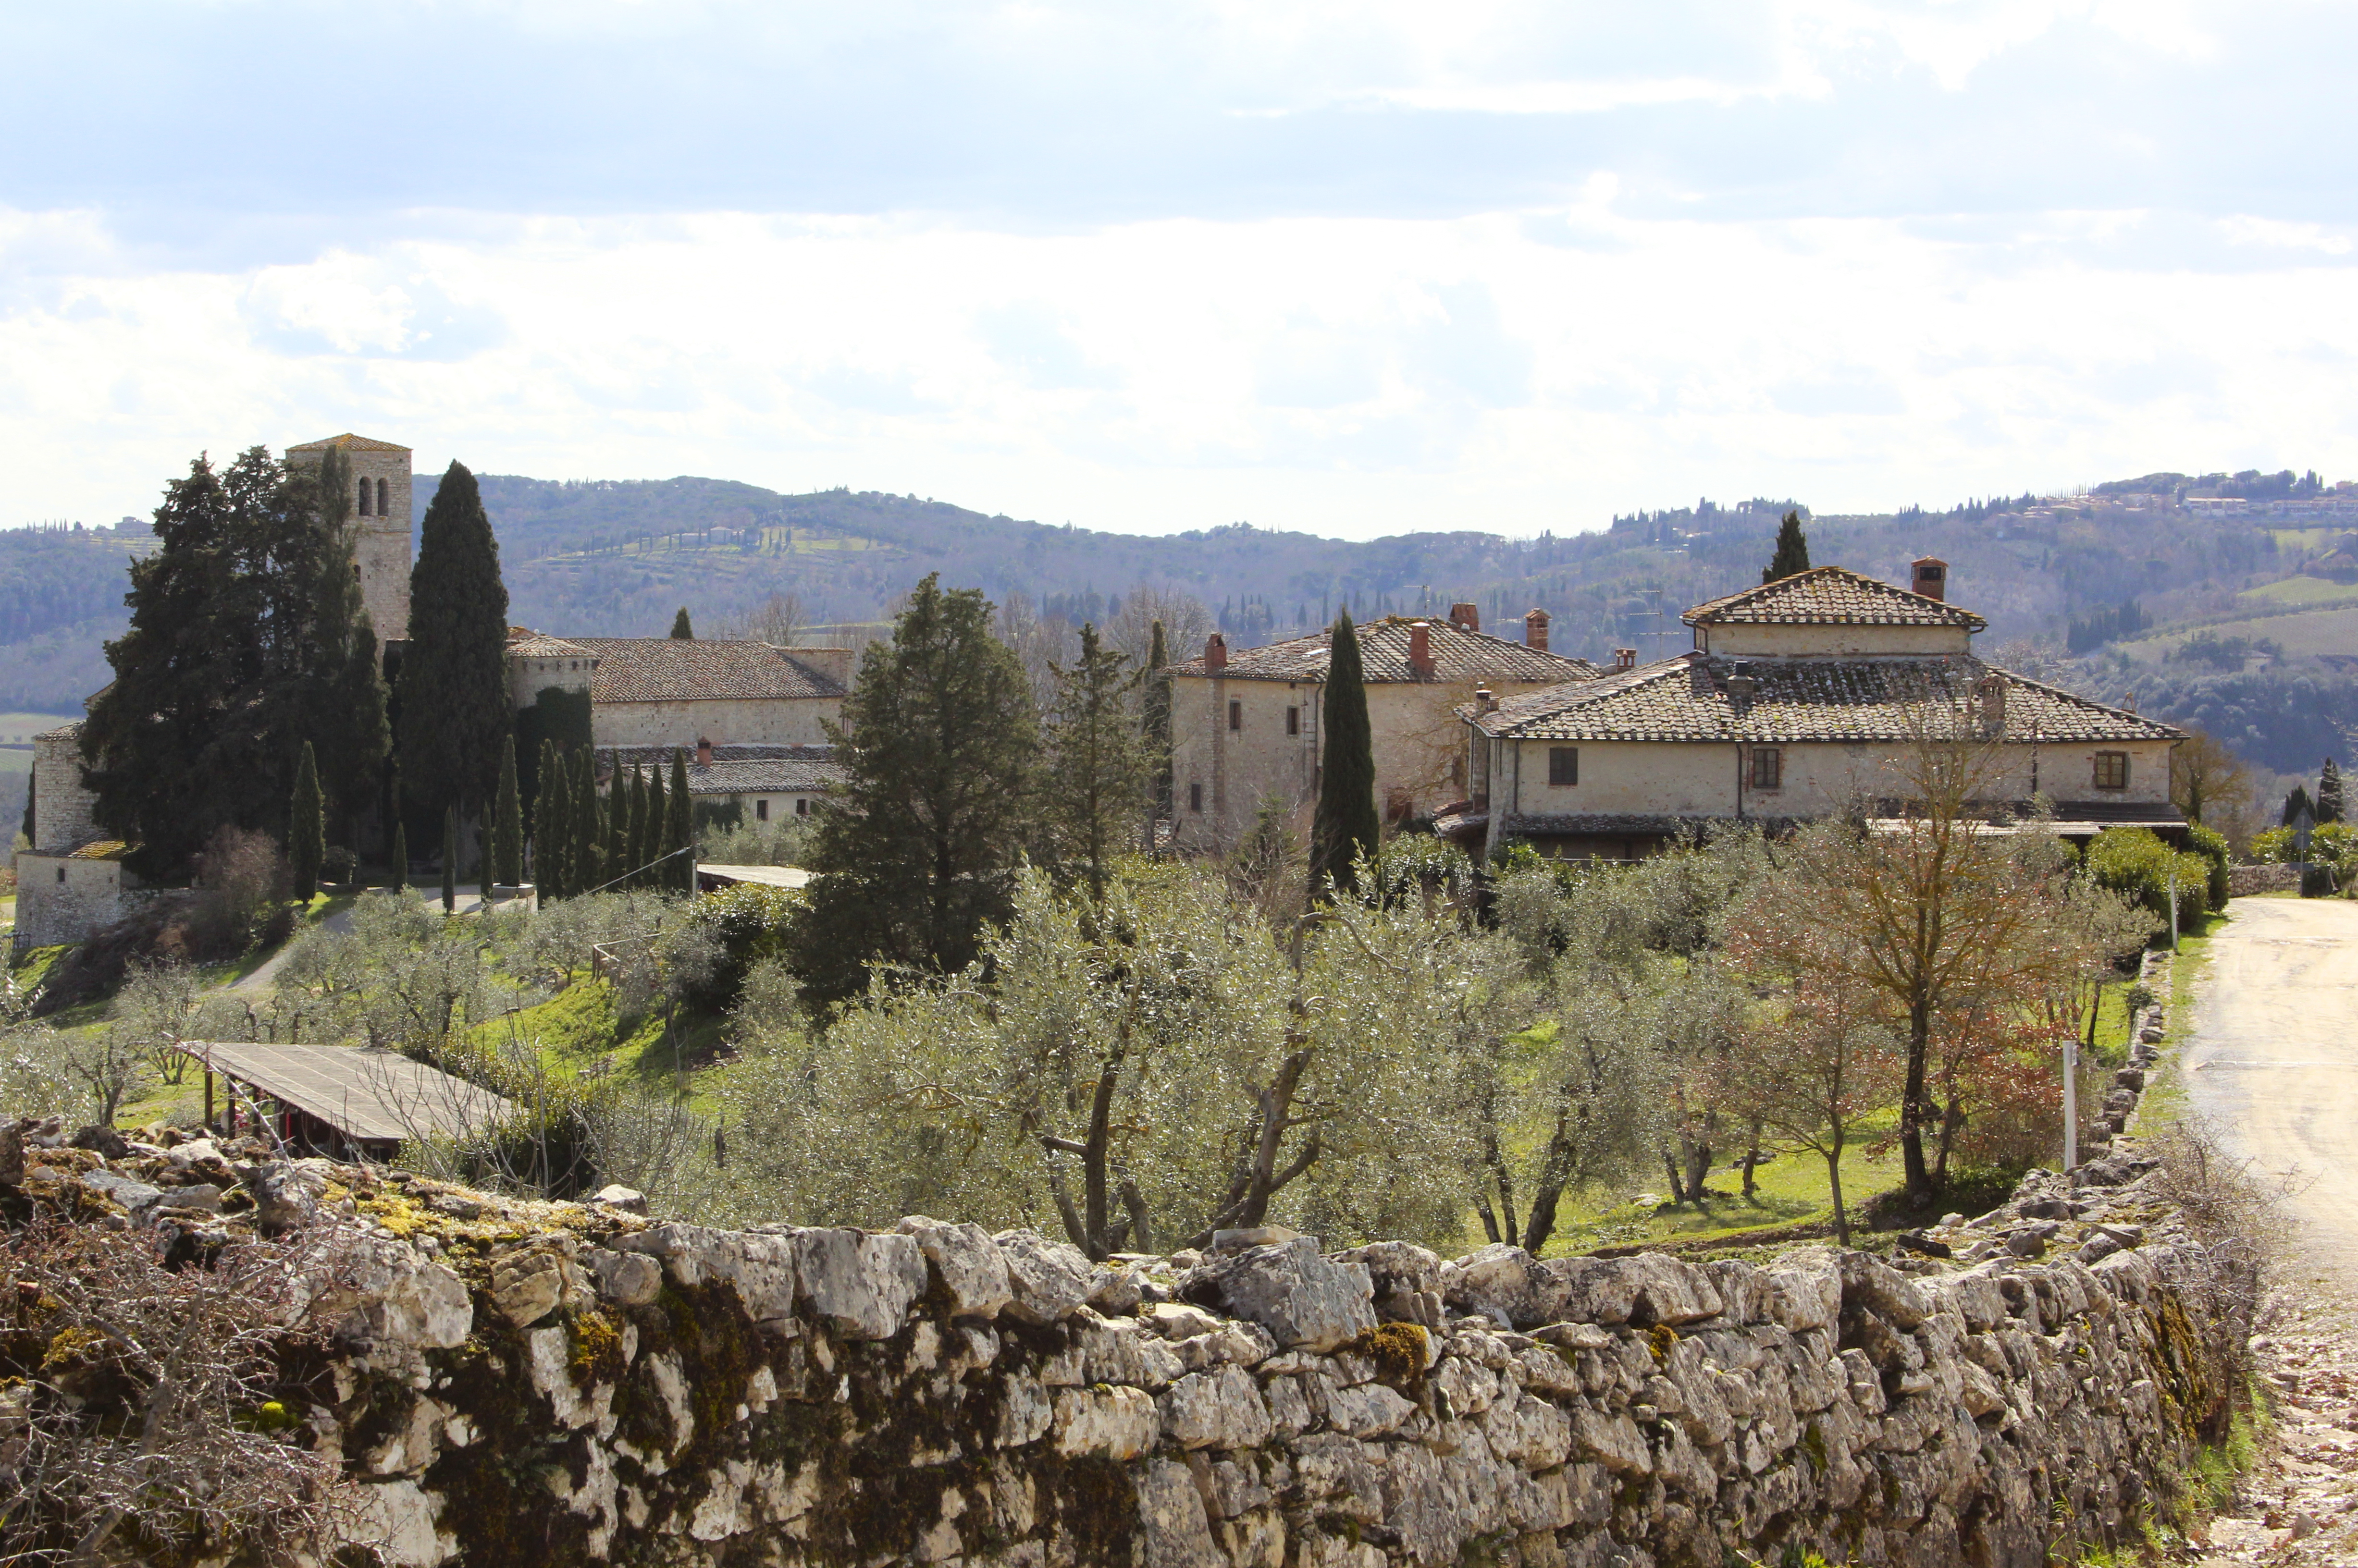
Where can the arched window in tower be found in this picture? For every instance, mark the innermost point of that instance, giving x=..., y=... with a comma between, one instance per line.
x=384, y=507
x=364, y=498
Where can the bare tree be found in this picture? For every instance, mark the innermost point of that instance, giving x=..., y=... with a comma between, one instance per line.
x=779, y=620
x=1185, y=622
x=137, y=1434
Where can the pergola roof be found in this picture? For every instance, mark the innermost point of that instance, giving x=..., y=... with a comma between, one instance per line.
x=364, y=1092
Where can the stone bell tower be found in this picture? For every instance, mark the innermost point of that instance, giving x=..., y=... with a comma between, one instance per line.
x=380, y=518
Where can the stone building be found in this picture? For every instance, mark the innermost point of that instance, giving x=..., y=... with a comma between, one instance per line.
x=666, y=691
x=760, y=783
x=1796, y=701
x=381, y=526
x=1247, y=728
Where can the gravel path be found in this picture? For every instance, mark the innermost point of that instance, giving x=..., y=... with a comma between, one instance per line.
x=2271, y=1060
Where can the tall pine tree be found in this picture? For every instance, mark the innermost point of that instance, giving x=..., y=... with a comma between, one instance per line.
x=680, y=827
x=1345, y=826
x=455, y=706
x=509, y=817
x=921, y=847
x=551, y=825
x=306, y=828
x=1097, y=777
x=1792, y=550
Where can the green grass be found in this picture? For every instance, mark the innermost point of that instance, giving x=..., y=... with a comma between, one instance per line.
x=2305, y=593
x=1790, y=1189
x=2330, y=629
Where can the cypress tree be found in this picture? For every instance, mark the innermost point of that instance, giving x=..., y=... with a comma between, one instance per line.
x=400, y=854
x=509, y=867
x=920, y=850
x=658, y=823
x=487, y=855
x=449, y=859
x=681, y=629
x=679, y=825
x=1345, y=826
x=618, y=831
x=1792, y=550
x=551, y=835
x=455, y=706
x=1097, y=773
x=1156, y=718
x=306, y=828
x=631, y=811
x=2329, y=794
x=2296, y=803
x=585, y=868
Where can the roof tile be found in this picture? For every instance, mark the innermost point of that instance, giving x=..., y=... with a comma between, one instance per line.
x=1800, y=699
x=682, y=669
x=1830, y=596
x=1458, y=656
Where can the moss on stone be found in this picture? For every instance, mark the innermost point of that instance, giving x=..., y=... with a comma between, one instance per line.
x=1662, y=1339
x=594, y=1350
x=1398, y=1352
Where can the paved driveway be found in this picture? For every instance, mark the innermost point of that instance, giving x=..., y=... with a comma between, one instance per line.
x=2271, y=1058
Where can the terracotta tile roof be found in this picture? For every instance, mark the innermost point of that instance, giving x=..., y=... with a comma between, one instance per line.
x=350, y=443
x=63, y=732
x=1830, y=596
x=533, y=644
x=747, y=769
x=1458, y=656
x=1799, y=699
x=681, y=669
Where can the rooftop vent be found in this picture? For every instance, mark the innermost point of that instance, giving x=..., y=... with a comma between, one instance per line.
x=1464, y=616
x=1931, y=579
x=1535, y=629
x=1741, y=686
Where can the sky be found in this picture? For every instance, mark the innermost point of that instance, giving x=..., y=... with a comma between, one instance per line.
x=1352, y=269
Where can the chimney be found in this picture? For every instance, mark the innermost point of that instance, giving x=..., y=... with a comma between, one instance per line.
x=1535, y=624
x=1484, y=700
x=1625, y=658
x=1465, y=617
x=1419, y=649
x=1740, y=684
x=1991, y=692
x=1215, y=653
x=1931, y=579
x=703, y=751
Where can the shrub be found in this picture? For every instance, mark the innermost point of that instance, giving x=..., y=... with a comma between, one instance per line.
x=2211, y=845
x=2137, y=864
x=745, y=924
x=340, y=865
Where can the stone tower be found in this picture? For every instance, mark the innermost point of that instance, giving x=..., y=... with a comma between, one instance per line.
x=381, y=517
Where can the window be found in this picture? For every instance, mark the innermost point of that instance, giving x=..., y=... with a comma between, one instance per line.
x=762, y=809
x=384, y=506
x=1294, y=720
x=364, y=498
x=802, y=806
x=1236, y=715
x=1768, y=768
x=1195, y=802
x=1564, y=764
x=2112, y=769
x=61, y=873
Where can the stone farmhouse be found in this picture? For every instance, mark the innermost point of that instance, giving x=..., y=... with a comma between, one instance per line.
x=751, y=712
x=1246, y=729
x=1796, y=701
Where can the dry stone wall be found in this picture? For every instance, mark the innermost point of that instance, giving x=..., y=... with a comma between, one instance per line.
x=533, y=1383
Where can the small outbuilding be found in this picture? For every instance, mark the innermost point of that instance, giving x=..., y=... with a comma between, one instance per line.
x=344, y=1101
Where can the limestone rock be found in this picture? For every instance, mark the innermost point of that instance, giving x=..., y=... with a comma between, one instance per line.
x=1215, y=1409
x=285, y=1193
x=861, y=1282
x=626, y=1278
x=972, y=1268
x=628, y=1200
x=1047, y=1280
x=1106, y=1423
x=1303, y=1299
x=527, y=1289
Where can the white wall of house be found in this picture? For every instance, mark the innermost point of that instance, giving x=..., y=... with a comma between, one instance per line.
x=728, y=722
x=527, y=678
x=60, y=898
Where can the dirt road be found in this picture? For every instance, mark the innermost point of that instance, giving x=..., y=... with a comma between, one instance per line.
x=2270, y=1058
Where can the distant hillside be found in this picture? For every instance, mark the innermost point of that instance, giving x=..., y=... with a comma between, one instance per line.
x=2123, y=576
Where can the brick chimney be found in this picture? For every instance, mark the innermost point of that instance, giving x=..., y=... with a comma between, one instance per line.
x=703, y=751
x=1465, y=617
x=1535, y=625
x=1931, y=579
x=1989, y=693
x=1215, y=653
x=1484, y=700
x=1419, y=649
x=1625, y=658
